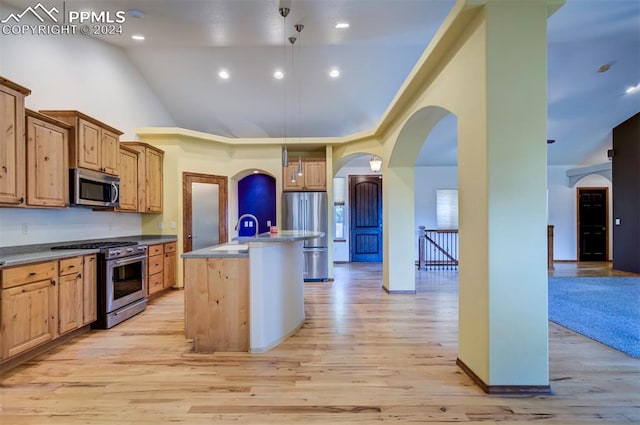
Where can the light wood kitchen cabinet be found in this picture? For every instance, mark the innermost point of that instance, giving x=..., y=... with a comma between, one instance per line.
x=150, y=176
x=12, y=147
x=28, y=302
x=170, y=265
x=314, y=176
x=128, y=170
x=93, y=145
x=161, y=267
x=47, y=164
x=155, y=266
x=70, y=295
x=90, y=289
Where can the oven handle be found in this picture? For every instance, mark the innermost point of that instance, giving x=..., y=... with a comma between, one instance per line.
x=128, y=260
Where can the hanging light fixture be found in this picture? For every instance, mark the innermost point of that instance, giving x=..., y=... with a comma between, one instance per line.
x=284, y=11
x=375, y=163
x=299, y=28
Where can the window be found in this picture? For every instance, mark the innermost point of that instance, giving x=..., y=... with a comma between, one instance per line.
x=338, y=219
x=447, y=208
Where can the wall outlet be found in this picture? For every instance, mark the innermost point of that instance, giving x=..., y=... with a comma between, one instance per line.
x=160, y=225
x=110, y=227
x=172, y=224
x=25, y=229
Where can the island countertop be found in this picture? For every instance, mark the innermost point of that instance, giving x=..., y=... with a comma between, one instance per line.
x=281, y=236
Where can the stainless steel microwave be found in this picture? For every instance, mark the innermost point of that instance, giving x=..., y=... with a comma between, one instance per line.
x=93, y=189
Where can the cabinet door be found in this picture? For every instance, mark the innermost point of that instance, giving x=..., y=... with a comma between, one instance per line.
x=128, y=169
x=12, y=175
x=70, y=295
x=47, y=164
x=89, y=141
x=169, y=270
x=28, y=316
x=90, y=290
x=287, y=172
x=315, y=175
x=110, y=152
x=153, y=186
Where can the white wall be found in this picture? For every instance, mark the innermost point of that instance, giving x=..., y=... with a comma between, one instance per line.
x=562, y=203
x=89, y=75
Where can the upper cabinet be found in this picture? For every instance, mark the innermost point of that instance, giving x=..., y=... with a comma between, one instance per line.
x=314, y=176
x=150, y=176
x=128, y=170
x=12, y=148
x=94, y=144
x=47, y=161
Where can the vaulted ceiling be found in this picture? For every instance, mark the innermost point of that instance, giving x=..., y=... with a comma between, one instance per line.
x=188, y=42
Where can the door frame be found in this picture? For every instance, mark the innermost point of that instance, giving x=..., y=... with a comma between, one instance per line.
x=352, y=178
x=187, y=225
x=606, y=220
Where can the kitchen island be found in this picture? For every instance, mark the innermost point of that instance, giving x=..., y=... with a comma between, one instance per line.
x=245, y=296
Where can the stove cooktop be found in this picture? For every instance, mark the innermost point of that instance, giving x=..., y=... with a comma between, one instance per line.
x=96, y=245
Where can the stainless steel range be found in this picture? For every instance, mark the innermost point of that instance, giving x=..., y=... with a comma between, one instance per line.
x=122, y=280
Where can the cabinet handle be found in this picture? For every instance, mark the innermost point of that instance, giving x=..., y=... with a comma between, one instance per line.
x=33, y=274
x=79, y=275
x=53, y=282
x=21, y=200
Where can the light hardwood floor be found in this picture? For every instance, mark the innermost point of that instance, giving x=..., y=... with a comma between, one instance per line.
x=363, y=356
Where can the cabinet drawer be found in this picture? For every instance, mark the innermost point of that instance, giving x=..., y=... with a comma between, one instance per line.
x=26, y=274
x=169, y=247
x=155, y=283
x=155, y=250
x=70, y=266
x=156, y=263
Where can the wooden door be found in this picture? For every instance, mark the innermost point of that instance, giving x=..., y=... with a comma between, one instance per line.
x=365, y=216
x=315, y=175
x=89, y=141
x=593, y=215
x=212, y=213
x=70, y=295
x=110, y=152
x=153, y=188
x=47, y=164
x=12, y=173
x=27, y=316
x=89, y=290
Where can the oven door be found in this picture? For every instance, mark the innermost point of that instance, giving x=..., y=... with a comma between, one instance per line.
x=126, y=281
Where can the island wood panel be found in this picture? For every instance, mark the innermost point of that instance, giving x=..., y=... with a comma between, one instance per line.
x=217, y=303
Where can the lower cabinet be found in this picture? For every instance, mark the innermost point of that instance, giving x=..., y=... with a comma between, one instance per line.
x=40, y=302
x=29, y=307
x=161, y=267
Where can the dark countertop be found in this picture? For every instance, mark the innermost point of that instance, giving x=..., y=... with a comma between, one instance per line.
x=25, y=254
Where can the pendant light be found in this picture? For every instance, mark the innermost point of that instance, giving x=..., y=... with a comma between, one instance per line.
x=375, y=163
x=292, y=41
x=284, y=11
x=299, y=28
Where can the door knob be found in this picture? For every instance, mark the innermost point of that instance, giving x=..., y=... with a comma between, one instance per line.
x=188, y=236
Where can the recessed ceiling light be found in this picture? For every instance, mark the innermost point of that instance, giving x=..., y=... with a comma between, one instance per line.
x=604, y=68
x=342, y=25
x=278, y=75
x=137, y=37
x=633, y=89
x=224, y=74
x=334, y=73
x=550, y=141
x=136, y=13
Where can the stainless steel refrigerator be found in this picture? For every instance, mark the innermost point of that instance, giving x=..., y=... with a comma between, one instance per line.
x=308, y=211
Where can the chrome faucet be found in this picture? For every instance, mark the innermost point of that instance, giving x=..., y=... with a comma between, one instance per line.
x=250, y=216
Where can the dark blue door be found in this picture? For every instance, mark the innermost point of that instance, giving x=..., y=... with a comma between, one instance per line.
x=365, y=200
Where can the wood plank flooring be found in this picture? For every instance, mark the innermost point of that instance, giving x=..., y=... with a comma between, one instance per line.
x=362, y=357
